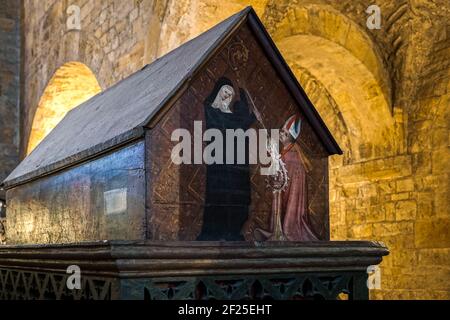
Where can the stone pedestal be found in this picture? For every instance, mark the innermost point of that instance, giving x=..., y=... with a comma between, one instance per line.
x=190, y=270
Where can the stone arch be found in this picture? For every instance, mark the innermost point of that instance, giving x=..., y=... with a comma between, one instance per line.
x=356, y=93
x=328, y=23
x=71, y=84
x=330, y=112
x=307, y=33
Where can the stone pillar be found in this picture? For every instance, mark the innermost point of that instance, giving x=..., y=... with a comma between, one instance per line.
x=9, y=87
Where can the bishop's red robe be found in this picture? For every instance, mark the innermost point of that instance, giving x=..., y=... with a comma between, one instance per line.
x=294, y=200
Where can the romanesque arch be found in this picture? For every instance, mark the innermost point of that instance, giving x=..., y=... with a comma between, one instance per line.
x=361, y=103
x=71, y=84
x=328, y=23
x=332, y=48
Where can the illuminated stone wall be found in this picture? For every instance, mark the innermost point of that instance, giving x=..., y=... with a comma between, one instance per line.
x=116, y=39
x=383, y=93
x=72, y=84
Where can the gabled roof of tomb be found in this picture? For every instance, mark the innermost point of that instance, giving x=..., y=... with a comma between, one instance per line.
x=121, y=113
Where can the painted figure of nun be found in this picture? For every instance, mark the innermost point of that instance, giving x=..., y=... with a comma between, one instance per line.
x=294, y=199
x=228, y=192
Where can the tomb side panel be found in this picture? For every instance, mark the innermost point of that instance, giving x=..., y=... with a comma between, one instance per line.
x=102, y=199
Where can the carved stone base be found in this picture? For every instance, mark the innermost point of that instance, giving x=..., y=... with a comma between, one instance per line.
x=190, y=270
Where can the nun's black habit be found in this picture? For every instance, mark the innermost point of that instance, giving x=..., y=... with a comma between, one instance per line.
x=228, y=192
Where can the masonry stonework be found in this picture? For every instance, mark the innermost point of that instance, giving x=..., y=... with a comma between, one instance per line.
x=9, y=87
x=383, y=93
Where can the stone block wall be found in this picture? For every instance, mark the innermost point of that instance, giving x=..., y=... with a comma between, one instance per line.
x=116, y=38
x=404, y=200
x=393, y=204
x=399, y=195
